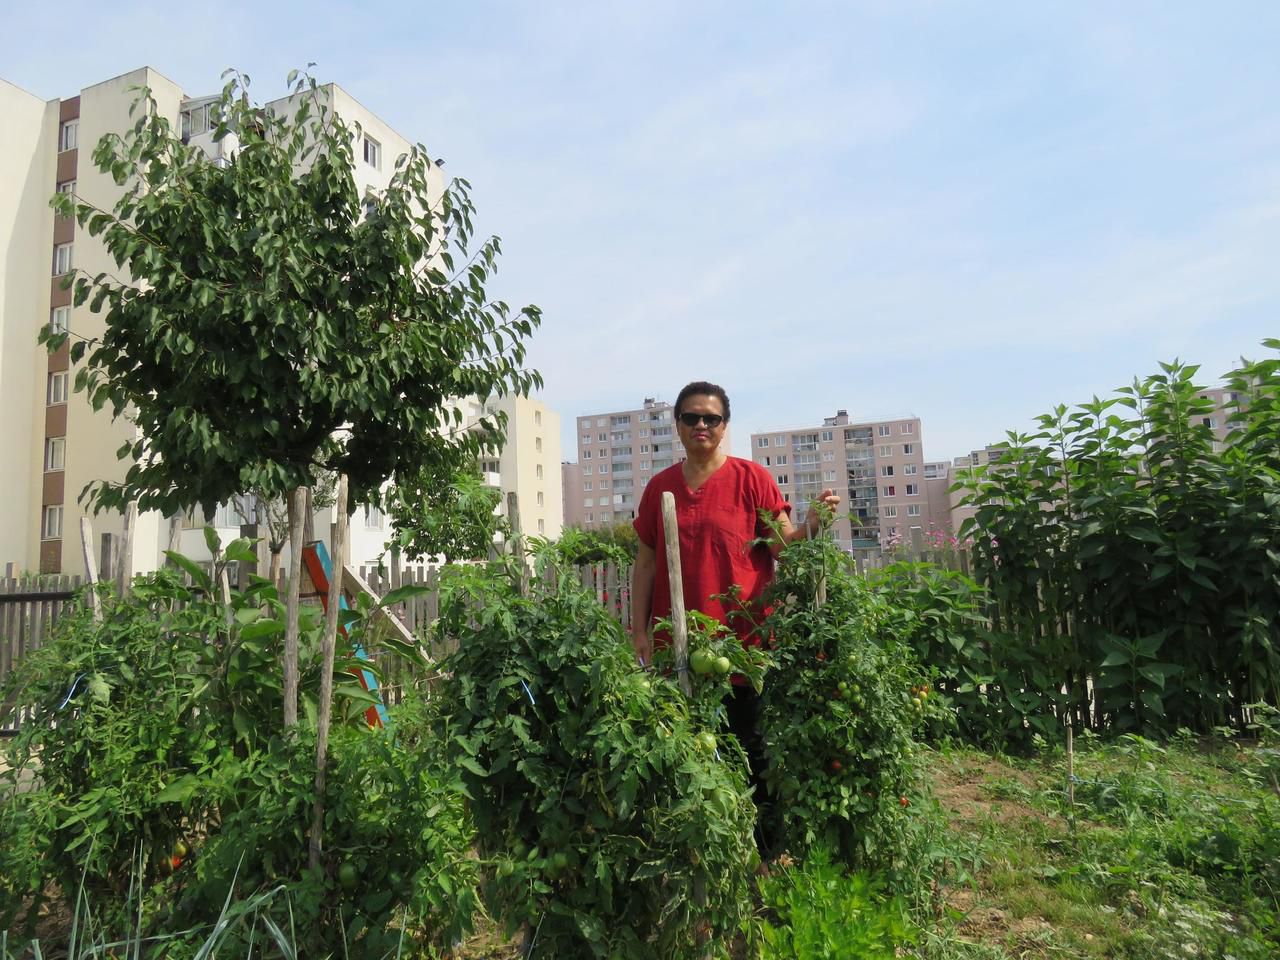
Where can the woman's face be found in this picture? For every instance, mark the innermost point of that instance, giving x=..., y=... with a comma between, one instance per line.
x=700, y=436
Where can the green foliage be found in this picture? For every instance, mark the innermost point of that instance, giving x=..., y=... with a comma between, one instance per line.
x=1134, y=565
x=151, y=730
x=393, y=819
x=821, y=911
x=608, y=822
x=443, y=510
x=273, y=323
x=840, y=712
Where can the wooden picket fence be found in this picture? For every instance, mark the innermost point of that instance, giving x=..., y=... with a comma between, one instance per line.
x=29, y=607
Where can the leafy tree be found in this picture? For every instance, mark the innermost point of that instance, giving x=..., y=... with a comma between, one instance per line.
x=441, y=510
x=271, y=324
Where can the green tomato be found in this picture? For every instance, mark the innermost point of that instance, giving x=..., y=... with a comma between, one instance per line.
x=348, y=875
x=706, y=742
x=506, y=868
x=700, y=661
x=722, y=665
x=842, y=686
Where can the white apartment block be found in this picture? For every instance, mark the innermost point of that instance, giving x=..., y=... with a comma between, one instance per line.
x=618, y=452
x=56, y=443
x=877, y=468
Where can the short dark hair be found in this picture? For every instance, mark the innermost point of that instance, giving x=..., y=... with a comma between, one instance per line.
x=702, y=388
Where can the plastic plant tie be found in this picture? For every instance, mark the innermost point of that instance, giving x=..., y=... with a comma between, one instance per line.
x=72, y=692
x=528, y=693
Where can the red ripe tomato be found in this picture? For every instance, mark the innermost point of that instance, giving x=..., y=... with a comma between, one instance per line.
x=836, y=766
x=821, y=656
x=904, y=802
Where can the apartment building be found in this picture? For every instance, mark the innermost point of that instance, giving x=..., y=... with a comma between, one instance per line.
x=877, y=468
x=618, y=452
x=57, y=444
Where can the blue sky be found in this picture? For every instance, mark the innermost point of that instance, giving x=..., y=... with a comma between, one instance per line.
x=964, y=211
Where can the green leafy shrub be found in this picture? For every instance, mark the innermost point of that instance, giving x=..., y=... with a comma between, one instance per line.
x=152, y=732
x=840, y=712
x=609, y=821
x=819, y=910
x=397, y=864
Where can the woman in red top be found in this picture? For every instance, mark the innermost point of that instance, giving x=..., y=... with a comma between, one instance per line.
x=718, y=503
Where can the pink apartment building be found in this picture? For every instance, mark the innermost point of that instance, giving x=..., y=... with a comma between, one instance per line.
x=877, y=467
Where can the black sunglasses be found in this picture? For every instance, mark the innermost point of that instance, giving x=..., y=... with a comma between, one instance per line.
x=712, y=420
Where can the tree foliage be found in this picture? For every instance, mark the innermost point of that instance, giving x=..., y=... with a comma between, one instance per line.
x=271, y=323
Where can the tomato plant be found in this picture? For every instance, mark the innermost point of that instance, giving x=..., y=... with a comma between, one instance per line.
x=610, y=820
x=839, y=715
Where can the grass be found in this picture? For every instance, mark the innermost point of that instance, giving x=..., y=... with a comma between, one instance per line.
x=1168, y=850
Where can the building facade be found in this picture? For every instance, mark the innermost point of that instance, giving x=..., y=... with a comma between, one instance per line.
x=876, y=467
x=58, y=444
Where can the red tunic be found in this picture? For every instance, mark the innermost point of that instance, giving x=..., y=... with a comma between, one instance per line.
x=717, y=523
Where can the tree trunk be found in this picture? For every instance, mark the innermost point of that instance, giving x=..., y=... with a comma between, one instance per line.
x=297, y=508
x=336, y=552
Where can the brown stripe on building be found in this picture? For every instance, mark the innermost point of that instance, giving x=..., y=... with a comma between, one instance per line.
x=55, y=420
x=54, y=490
x=69, y=109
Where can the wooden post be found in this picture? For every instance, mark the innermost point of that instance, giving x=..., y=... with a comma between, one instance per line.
x=124, y=561
x=175, y=533
x=820, y=591
x=329, y=645
x=297, y=509
x=679, y=625
x=90, y=569
x=1071, y=777
x=517, y=539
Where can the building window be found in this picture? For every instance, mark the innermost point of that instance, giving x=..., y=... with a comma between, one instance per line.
x=537, y=418
x=537, y=444
x=889, y=491
x=826, y=436
x=828, y=475
x=782, y=459
x=913, y=489
x=883, y=430
x=913, y=510
x=51, y=523
x=539, y=498
x=908, y=428
x=68, y=138
x=604, y=484
x=644, y=448
x=537, y=471
x=67, y=187
x=762, y=442
x=644, y=464
x=57, y=388
x=60, y=320
x=767, y=463
x=586, y=485
x=542, y=526
x=827, y=456
x=372, y=518
x=588, y=518
x=586, y=438
x=55, y=453
x=586, y=470
x=372, y=152
x=890, y=512
x=908, y=449
x=886, y=471
x=909, y=469
x=602, y=438
x=588, y=501
x=586, y=454
x=644, y=433
x=886, y=450
x=62, y=258
x=783, y=478
x=779, y=441
x=600, y=421
x=604, y=468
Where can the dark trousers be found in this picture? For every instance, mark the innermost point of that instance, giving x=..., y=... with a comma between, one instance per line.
x=743, y=712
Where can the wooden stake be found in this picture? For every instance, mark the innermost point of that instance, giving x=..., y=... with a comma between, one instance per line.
x=90, y=569
x=1071, y=777
x=679, y=626
x=124, y=565
x=329, y=646
x=517, y=539
x=297, y=508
